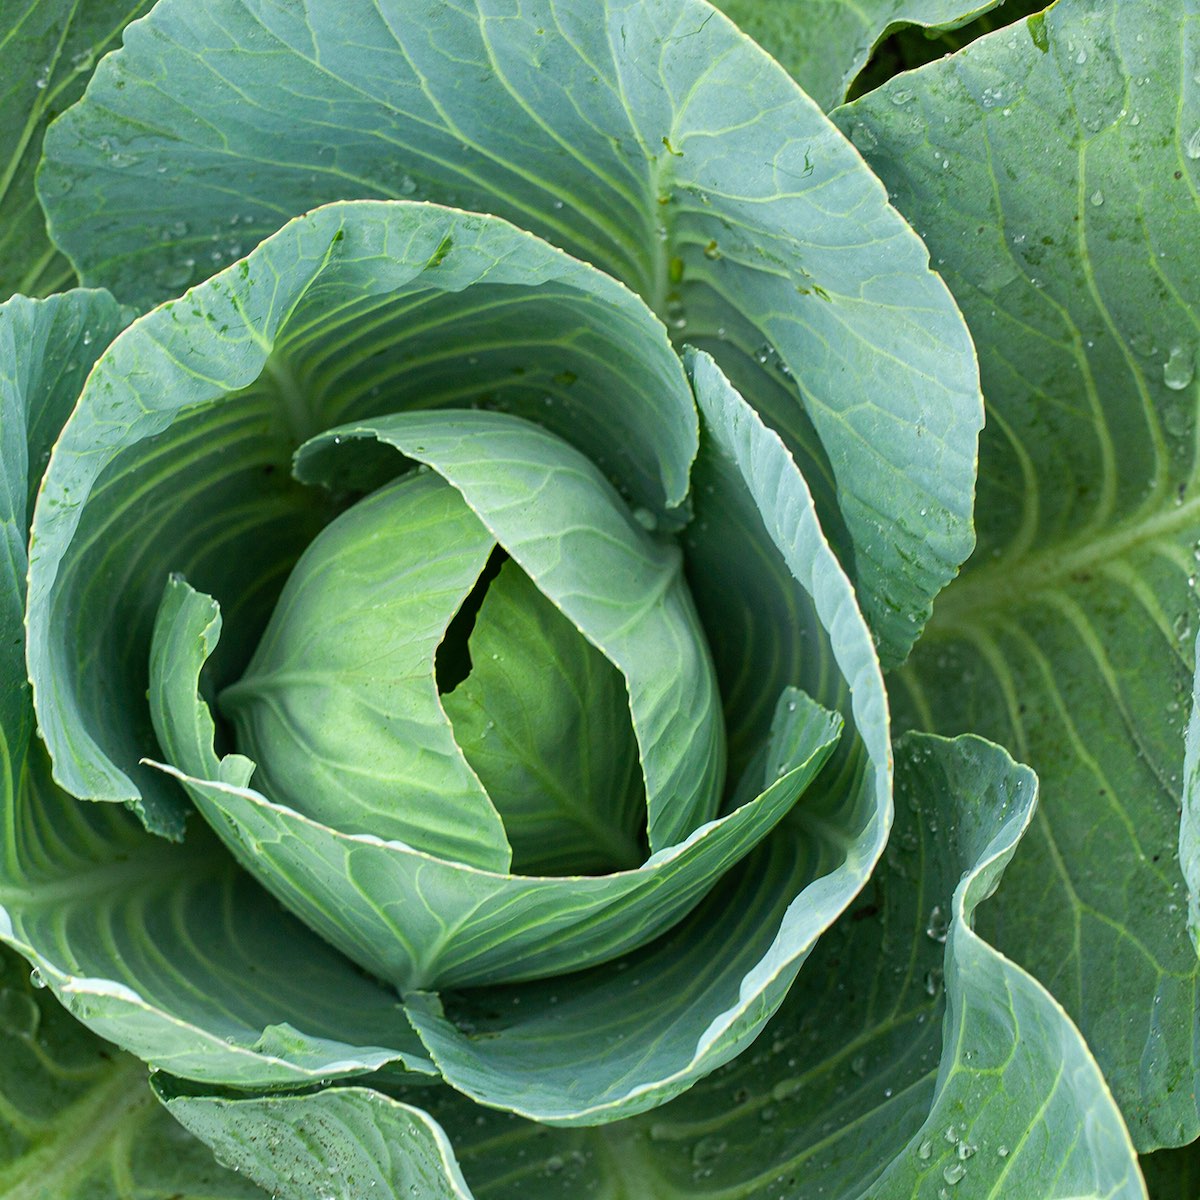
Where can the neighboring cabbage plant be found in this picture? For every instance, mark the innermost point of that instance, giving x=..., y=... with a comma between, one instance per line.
x=455, y=539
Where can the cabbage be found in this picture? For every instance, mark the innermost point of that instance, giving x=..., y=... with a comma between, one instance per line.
x=506, y=592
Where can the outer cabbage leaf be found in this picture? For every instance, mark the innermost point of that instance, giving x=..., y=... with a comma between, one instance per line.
x=1053, y=168
x=347, y=312
x=826, y=43
x=47, y=51
x=78, y=1118
x=1189, y=816
x=46, y=350
x=653, y=140
x=347, y=1142
x=1016, y=1105
x=84, y=894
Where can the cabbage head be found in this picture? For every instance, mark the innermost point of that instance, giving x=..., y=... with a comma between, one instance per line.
x=505, y=581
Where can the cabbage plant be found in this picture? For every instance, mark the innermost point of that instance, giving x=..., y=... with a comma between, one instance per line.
x=554, y=563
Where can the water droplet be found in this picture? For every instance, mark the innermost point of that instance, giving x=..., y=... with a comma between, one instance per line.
x=938, y=925
x=925, y=1150
x=646, y=519
x=954, y=1173
x=1097, y=198
x=1176, y=421
x=901, y=96
x=933, y=982
x=407, y=185
x=863, y=137
x=707, y=1150
x=36, y=978
x=858, y=1064
x=1002, y=1151
x=554, y=1164
x=1180, y=368
x=1081, y=57
x=965, y=1151
x=1192, y=146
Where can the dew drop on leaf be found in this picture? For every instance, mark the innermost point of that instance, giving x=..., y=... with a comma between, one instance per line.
x=1180, y=369
x=1176, y=421
x=938, y=926
x=864, y=137
x=645, y=518
x=707, y=1149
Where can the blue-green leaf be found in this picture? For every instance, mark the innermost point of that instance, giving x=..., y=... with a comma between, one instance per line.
x=910, y=1059
x=47, y=348
x=1053, y=167
x=653, y=140
x=174, y=953
x=1189, y=817
x=78, y=1120
x=826, y=43
x=47, y=51
x=199, y=407
x=344, y=1142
